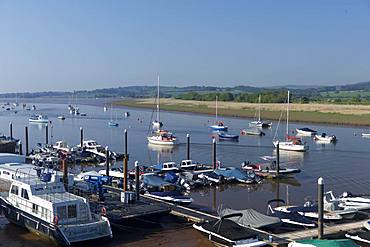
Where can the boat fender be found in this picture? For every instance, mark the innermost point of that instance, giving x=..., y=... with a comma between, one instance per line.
x=104, y=211
x=55, y=220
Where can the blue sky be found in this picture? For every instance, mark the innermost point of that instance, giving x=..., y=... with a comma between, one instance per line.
x=67, y=45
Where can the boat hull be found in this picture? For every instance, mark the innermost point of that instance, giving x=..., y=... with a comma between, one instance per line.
x=289, y=146
x=218, y=128
x=161, y=143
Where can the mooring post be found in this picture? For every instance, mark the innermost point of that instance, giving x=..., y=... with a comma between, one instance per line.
x=65, y=173
x=188, y=147
x=26, y=137
x=137, y=180
x=81, y=137
x=214, y=159
x=20, y=148
x=277, y=159
x=320, y=221
x=125, y=161
x=11, y=130
x=106, y=161
x=47, y=134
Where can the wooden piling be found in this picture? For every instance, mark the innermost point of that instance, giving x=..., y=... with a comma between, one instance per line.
x=20, y=148
x=81, y=137
x=106, y=161
x=26, y=137
x=188, y=147
x=125, y=161
x=47, y=134
x=137, y=180
x=11, y=130
x=320, y=199
x=214, y=159
x=65, y=173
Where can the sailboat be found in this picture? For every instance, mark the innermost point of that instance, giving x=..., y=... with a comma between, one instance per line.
x=259, y=123
x=291, y=143
x=219, y=125
x=159, y=136
x=111, y=122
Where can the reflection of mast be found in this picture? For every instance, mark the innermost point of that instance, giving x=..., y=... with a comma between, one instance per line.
x=158, y=117
x=214, y=198
x=278, y=190
x=287, y=195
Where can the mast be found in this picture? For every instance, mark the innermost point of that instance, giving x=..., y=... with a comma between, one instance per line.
x=216, y=107
x=259, y=107
x=158, y=100
x=287, y=116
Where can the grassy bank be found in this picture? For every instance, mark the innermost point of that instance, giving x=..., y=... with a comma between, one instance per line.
x=314, y=113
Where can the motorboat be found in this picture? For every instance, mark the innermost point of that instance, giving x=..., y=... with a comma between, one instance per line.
x=291, y=143
x=305, y=131
x=362, y=238
x=116, y=172
x=289, y=219
x=61, y=117
x=113, y=124
x=172, y=196
x=211, y=177
x=252, y=131
x=365, y=135
x=166, y=167
x=227, y=137
x=93, y=147
x=237, y=174
x=219, y=125
x=325, y=138
x=348, y=200
x=225, y=232
x=62, y=146
x=162, y=137
x=42, y=119
x=259, y=123
x=46, y=209
x=266, y=170
x=252, y=218
x=153, y=182
x=188, y=165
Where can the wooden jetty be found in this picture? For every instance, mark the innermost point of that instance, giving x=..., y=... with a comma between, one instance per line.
x=328, y=230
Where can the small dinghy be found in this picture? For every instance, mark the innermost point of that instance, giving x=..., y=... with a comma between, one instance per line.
x=227, y=137
x=61, y=117
x=252, y=132
x=365, y=135
x=265, y=170
x=173, y=196
x=225, y=232
x=306, y=131
x=325, y=138
x=289, y=219
x=252, y=218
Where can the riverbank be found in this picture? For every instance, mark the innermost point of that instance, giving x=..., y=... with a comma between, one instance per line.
x=315, y=113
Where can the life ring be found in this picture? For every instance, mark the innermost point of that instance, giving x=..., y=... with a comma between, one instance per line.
x=103, y=211
x=55, y=220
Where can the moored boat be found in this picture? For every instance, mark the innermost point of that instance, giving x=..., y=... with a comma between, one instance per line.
x=259, y=123
x=46, y=209
x=252, y=131
x=227, y=137
x=325, y=138
x=305, y=131
x=172, y=196
x=162, y=137
x=43, y=119
x=61, y=117
x=219, y=125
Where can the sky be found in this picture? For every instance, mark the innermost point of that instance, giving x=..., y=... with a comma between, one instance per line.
x=88, y=44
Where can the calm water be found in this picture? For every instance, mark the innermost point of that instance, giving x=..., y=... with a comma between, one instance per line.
x=344, y=166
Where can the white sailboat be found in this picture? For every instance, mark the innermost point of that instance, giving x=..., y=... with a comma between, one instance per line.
x=219, y=125
x=159, y=136
x=111, y=122
x=291, y=143
x=259, y=123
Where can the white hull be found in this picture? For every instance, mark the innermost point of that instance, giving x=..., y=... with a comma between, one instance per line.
x=365, y=135
x=155, y=141
x=289, y=146
x=218, y=128
x=305, y=133
x=326, y=139
x=38, y=121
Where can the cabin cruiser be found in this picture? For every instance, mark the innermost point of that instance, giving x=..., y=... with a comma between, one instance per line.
x=165, y=167
x=43, y=119
x=93, y=147
x=46, y=209
x=305, y=131
x=188, y=165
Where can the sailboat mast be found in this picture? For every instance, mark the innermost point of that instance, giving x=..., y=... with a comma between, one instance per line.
x=259, y=107
x=158, y=100
x=287, y=115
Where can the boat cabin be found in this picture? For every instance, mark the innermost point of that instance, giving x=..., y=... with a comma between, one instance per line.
x=62, y=145
x=188, y=164
x=90, y=144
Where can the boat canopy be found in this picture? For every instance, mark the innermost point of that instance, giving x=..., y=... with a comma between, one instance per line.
x=251, y=218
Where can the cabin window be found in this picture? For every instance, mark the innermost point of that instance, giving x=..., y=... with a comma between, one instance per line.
x=24, y=194
x=44, y=212
x=62, y=212
x=6, y=173
x=14, y=190
x=35, y=208
x=72, y=211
